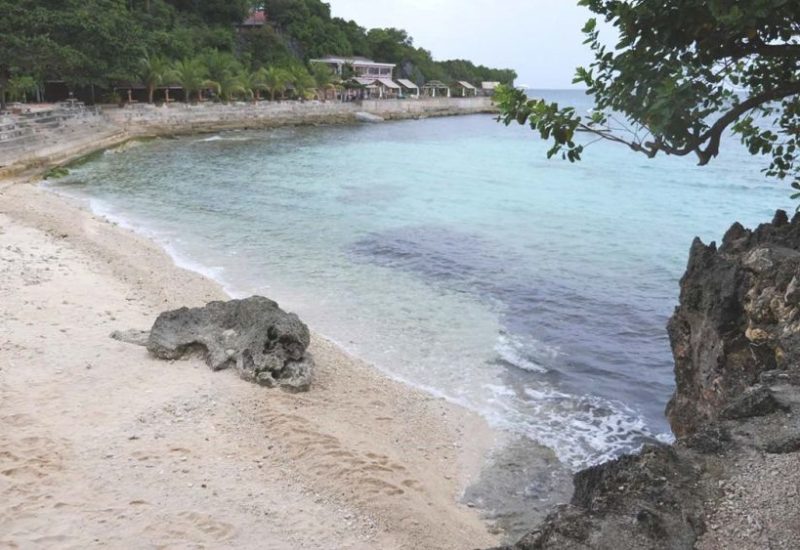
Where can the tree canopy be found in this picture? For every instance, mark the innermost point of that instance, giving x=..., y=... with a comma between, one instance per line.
x=99, y=42
x=682, y=75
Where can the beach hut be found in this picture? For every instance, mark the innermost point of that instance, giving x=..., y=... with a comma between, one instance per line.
x=488, y=88
x=377, y=88
x=408, y=88
x=436, y=88
x=465, y=89
x=388, y=88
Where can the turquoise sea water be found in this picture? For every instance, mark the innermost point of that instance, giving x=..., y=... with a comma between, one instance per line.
x=453, y=255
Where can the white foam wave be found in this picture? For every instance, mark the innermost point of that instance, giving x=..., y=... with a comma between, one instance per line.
x=218, y=137
x=216, y=273
x=511, y=350
x=582, y=430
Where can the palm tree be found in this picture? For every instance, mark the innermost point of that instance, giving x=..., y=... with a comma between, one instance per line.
x=153, y=71
x=234, y=84
x=258, y=82
x=275, y=81
x=303, y=82
x=253, y=82
x=220, y=65
x=323, y=78
x=192, y=75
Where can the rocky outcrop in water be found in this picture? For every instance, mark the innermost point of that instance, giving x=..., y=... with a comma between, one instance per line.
x=732, y=479
x=265, y=344
x=739, y=316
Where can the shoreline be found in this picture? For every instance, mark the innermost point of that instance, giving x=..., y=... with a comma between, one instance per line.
x=113, y=127
x=400, y=487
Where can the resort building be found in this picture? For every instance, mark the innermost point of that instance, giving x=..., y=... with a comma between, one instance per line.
x=361, y=67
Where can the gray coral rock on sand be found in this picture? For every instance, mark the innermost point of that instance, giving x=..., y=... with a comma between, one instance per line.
x=265, y=344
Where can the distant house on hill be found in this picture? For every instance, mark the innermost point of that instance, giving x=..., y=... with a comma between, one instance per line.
x=361, y=67
x=256, y=19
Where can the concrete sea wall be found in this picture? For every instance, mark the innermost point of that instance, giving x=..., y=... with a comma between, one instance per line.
x=207, y=117
x=48, y=137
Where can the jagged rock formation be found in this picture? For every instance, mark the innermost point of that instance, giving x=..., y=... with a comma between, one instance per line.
x=732, y=479
x=265, y=344
x=739, y=316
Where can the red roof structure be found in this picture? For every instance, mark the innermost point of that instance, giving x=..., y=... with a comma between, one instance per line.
x=257, y=18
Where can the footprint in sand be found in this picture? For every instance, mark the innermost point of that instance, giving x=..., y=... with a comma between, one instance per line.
x=195, y=527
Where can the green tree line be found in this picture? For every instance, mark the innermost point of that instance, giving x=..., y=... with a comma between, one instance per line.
x=102, y=42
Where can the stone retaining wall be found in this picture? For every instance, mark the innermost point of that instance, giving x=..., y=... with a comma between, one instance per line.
x=26, y=144
x=177, y=118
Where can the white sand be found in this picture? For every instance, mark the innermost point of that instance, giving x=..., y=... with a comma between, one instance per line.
x=102, y=445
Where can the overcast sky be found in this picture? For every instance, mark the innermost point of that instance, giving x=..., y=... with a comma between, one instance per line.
x=540, y=39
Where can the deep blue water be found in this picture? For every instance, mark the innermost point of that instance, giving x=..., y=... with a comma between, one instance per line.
x=454, y=256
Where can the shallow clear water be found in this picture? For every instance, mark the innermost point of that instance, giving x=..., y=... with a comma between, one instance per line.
x=453, y=255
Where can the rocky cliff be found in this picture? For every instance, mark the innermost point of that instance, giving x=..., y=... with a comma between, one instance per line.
x=732, y=478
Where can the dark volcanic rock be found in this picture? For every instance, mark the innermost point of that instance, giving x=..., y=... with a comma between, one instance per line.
x=264, y=343
x=739, y=316
x=757, y=401
x=648, y=500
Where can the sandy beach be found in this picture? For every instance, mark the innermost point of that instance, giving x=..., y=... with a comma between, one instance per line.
x=104, y=446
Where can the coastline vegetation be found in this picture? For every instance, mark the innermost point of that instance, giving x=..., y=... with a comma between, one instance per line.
x=683, y=76
x=198, y=45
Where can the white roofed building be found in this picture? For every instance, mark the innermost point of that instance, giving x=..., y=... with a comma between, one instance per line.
x=377, y=88
x=361, y=66
x=464, y=89
x=408, y=88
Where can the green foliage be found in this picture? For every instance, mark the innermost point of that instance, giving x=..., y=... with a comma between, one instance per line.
x=192, y=75
x=302, y=82
x=461, y=69
x=325, y=79
x=275, y=81
x=253, y=82
x=104, y=42
x=19, y=87
x=683, y=73
x=153, y=72
x=56, y=172
x=80, y=41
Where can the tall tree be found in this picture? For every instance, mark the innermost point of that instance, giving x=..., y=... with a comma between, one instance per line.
x=323, y=78
x=276, y=80
x=683, y=73
x=302, y=82
x=192, y=75
x=154, y=71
